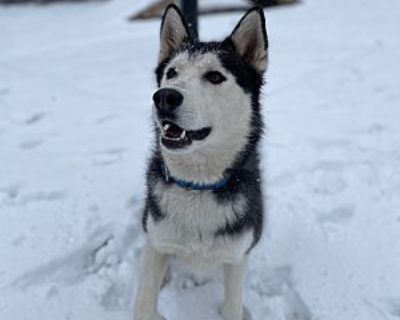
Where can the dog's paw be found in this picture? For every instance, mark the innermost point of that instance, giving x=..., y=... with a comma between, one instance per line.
x=233, y=313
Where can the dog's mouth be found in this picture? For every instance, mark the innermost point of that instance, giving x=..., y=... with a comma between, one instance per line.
x=175, y=137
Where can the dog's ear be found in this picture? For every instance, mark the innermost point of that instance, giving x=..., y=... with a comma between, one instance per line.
x=250, y=39
x=174, y=32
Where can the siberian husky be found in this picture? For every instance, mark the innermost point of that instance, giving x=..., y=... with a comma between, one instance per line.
x=204, y=197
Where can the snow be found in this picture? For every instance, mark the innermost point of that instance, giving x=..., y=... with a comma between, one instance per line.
x=75, y=88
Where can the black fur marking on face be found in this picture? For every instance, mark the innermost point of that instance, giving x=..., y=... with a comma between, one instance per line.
x=172, y=73
x=251, y=82
x=160, y=70
x=246, y=76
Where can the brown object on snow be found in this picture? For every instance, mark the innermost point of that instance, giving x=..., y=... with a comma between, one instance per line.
x=156, y=9
x=153, y=10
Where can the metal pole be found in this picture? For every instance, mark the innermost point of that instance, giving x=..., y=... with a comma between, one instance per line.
x=190, y=11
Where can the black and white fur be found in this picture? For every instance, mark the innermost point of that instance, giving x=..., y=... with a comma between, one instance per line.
x=220, y=126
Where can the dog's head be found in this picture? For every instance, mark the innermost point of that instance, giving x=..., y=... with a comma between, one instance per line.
x=207, y=97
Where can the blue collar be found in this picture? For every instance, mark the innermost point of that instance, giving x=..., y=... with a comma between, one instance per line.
x=190, y=185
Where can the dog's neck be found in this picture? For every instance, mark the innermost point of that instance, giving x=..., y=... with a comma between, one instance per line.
x=198, y=167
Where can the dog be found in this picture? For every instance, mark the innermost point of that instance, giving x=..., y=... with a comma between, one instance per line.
x=204, y=197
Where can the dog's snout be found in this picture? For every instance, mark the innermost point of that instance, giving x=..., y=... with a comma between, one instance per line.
x=167, y=100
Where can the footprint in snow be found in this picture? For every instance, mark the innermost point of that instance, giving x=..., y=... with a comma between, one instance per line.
x=132, y=202
x=4, y=91
x=30, y=144
x=283, y=179
x=35, y=118
x=104, y=256
x=108, y=157
x=16, y=198
x=376, y=129
x=394, y=307
x=107, y=118
x=11, y=191
x=19, y=241
x=338, y=215
x=278, y=287
x=326, y=181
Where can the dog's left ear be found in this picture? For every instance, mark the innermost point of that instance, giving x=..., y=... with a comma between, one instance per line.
x=250, y=39
x=174, y=32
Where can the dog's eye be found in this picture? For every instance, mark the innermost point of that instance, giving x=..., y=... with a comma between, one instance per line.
x=215, y=77
x=171, y=73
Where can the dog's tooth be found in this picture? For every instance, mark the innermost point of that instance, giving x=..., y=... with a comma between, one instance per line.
x=183, y=134
x=167, y=126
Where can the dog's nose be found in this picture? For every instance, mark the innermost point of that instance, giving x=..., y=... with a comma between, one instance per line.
x=167, y=100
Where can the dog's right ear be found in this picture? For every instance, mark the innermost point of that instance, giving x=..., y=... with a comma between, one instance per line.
x=174, y=32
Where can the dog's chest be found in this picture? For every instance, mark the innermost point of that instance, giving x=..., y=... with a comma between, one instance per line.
x=191, y=221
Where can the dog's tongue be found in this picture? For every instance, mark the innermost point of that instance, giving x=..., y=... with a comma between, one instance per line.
x=172, y=130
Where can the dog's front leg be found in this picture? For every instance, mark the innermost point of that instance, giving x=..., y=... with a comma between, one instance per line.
x=232, y=308
x=153, y=268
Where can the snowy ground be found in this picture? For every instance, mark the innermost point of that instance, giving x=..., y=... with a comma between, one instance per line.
x=75, y=87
